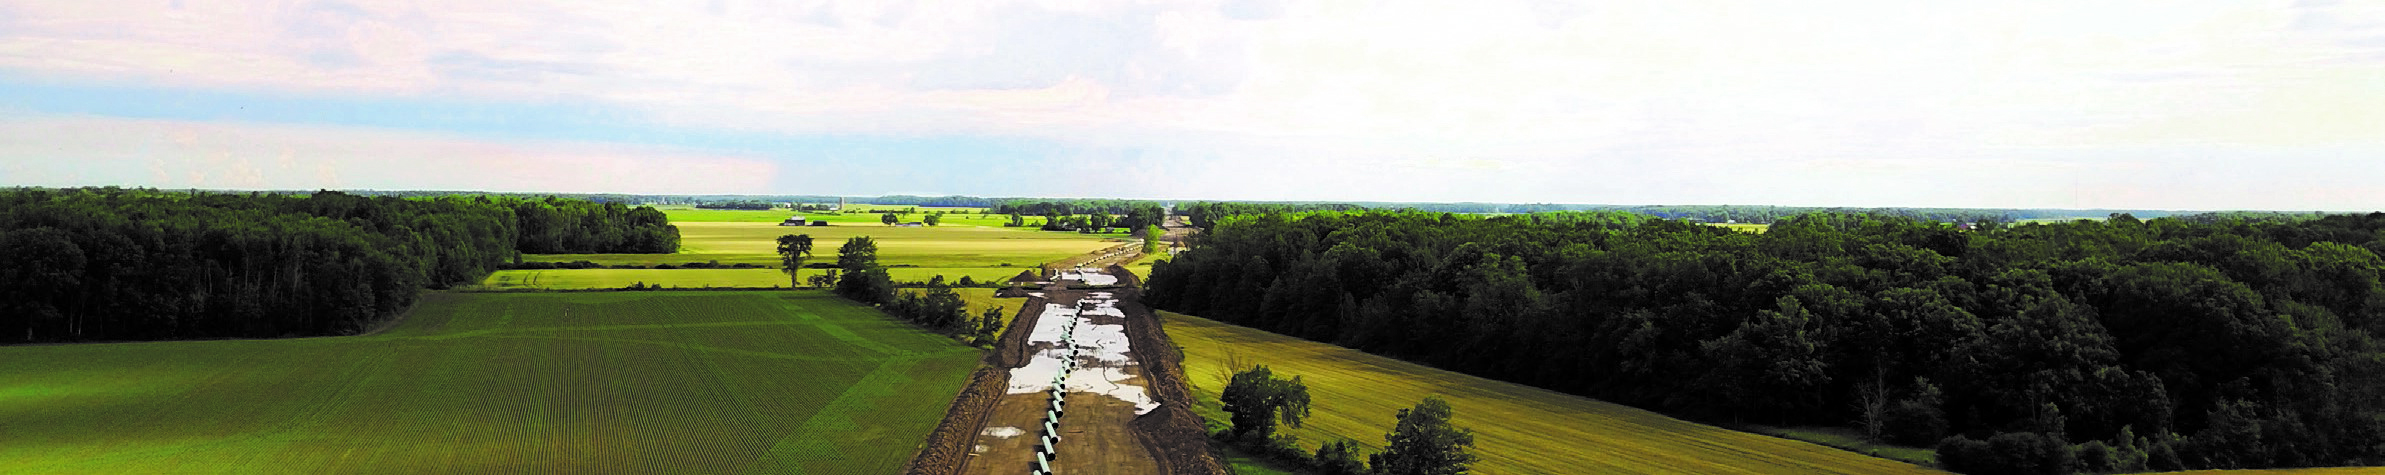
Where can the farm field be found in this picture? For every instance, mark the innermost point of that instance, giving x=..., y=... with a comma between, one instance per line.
x=1519, y=429
x=573, y=279
x=856, y=214
x=632, y=382
x=1743, y=227
x=975, y=245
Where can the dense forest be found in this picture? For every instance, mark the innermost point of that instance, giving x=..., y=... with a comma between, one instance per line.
x=2098, y=346
x=114, y=264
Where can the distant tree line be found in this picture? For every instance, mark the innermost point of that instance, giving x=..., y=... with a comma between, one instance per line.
x=1205, y=213
x=2097, y=346
x=738, y=205
x=1040, y=207
x=115, y=264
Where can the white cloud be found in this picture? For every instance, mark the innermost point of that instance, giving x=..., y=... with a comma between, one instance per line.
x=67, y=151
x=1538, y=90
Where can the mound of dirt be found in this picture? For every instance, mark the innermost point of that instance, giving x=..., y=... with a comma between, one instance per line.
x=1125, y=277
x=1173, y=432
x=1011, y=351
x=1026, y=277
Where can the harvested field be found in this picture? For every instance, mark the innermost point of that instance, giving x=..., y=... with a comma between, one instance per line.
x=1519, y=429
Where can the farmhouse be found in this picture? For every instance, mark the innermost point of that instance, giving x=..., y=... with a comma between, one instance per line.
x=794, y=221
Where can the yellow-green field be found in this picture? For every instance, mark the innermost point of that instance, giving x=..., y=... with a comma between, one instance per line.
x=1518, y=429
x=607, y=382
x=575, y=279
x=856, y=214
x=979, y=299
x=1742, y=227
x=974, y=245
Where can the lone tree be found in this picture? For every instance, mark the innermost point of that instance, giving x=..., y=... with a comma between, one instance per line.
x=1151, y=235
x=888, y=218
x=864, y=280
x=1425, y=443
x=792, y=249
x=934, y=218
x=1256, y=398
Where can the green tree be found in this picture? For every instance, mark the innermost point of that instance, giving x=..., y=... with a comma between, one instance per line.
x=888, y=218
x=1339, y=457
x=792, y=248
x=1256, y=398
x=864, y=280
x=935, y=218
x=1426, y=443
x=1151, y=235
x=989, y=326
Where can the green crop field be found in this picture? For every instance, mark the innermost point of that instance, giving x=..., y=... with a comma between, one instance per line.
x=1518, y=429
x=856, y=214
x=639, y=382
x=973, y=245
x=572, y=279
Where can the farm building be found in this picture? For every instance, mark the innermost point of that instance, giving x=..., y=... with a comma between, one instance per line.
x=793, y=221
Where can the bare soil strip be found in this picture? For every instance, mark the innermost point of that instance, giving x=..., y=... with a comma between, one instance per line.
x=999, y=433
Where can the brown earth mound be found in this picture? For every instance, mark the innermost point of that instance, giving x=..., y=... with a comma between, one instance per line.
x=1125, y=277
x=1011, y=351
x=1026, y=276
x=1172, y=432
x=947, y=448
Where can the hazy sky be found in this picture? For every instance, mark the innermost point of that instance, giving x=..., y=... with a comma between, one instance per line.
x=2171, y=104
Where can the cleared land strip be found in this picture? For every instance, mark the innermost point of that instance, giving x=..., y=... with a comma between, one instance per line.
x=1519, y=429
x=1110, y=424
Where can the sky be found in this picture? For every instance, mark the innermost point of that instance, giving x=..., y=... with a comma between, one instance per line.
x=2167, y=104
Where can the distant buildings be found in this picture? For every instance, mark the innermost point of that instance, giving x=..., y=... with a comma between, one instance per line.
x=794, y=221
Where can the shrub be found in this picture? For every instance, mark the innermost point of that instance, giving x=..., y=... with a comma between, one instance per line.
x=1338, y=457
x=1913, y=423
x=1960, y=454
x=2014, y=453
x=2094, y=456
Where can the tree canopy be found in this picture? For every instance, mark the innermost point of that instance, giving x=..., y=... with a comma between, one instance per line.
x=2188, y=334
x=117, y=264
